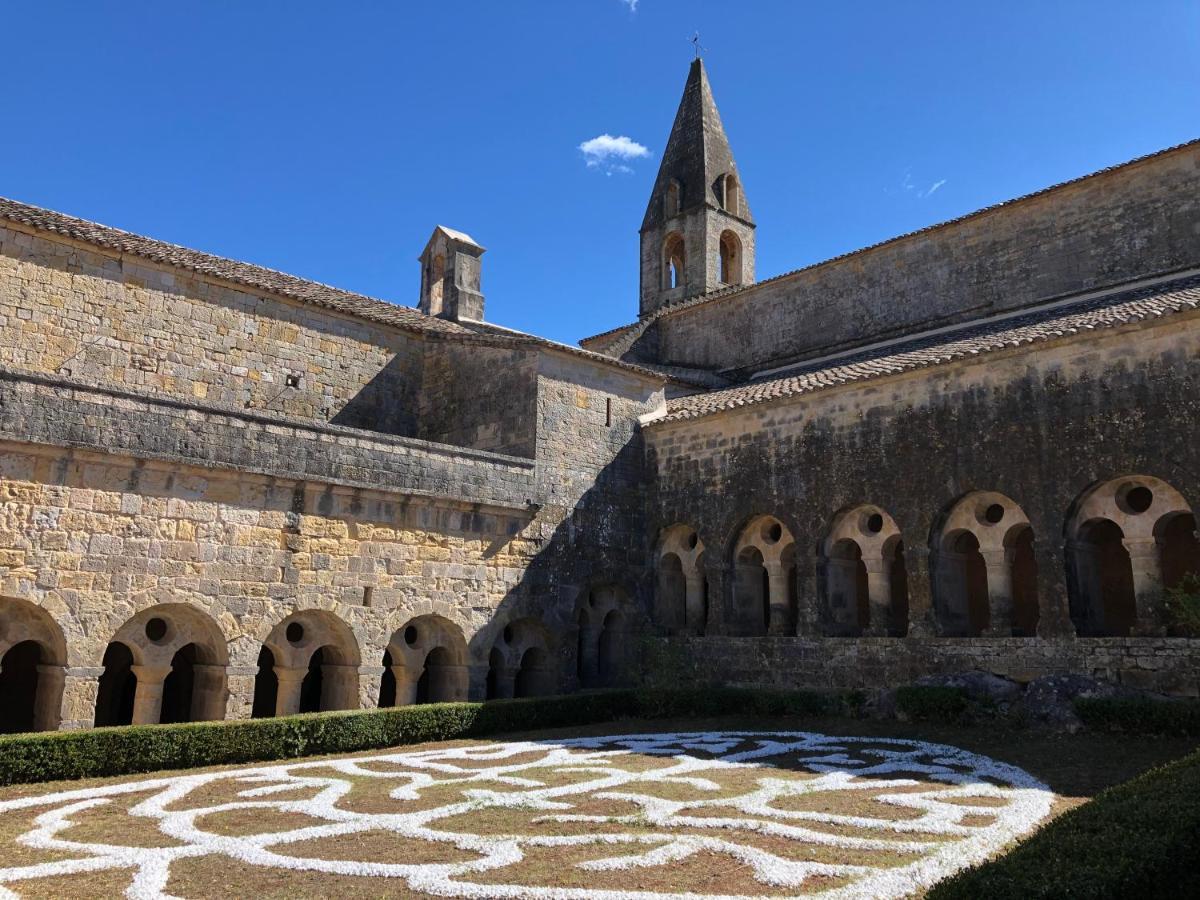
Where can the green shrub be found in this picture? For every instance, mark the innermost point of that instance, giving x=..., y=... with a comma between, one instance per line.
x=1132, y=715
x=119, y=751
x=1138, y=839
x=930, y=703
x=1182, y=606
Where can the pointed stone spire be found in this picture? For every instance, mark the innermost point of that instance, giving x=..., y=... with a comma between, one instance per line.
x=698, y=233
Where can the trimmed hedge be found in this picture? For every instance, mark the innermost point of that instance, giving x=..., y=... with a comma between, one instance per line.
x=99, y=752
x=931, y=703
x=1131, y=715
x=1138, y=839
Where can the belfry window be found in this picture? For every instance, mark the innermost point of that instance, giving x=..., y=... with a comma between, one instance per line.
x=729, y=194
x=674, y=199
x=731, y=258
x=673, y=261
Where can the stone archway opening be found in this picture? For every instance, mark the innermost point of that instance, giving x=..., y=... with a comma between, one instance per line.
x=497, y=665
x=1104, y=571
x=752, y=591
x=387, y=683
x=429, y=661
x=33, y=658
x=672, y=594
x=847, y=592
x=117, y=688
x=266, y=686
x=1024, y=583
x=535, y=676
x=179, y=688
x=437, y=683
x=864, y=582
x=314, y=660
x=1179, y=549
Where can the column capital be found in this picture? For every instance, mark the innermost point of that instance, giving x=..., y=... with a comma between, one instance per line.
x=289, y=674
x=1141, y=548
x=150, y=674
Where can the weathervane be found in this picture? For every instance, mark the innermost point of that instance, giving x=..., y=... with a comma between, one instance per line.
x=695, y=41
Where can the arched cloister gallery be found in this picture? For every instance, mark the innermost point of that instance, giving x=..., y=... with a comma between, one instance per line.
x=765, y=578
x=865, y=581
x=1127, y=539
x=603, y=617
x=166, y=664
x=33, y=659
x=308, y=663
x=425, y=662
x=521, y=663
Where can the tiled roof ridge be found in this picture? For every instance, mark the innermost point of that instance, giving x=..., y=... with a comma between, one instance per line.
x=971, y=339
x=735, y=290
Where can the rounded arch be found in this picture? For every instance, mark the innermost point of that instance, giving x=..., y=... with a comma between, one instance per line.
x=764, y=566
x=603, y=612
x=673, y=202
x=680, y=585
x=674, y=261
x=33, y=659
x=973, y=547
x=1119, y=534
x=729, y=258
x=729, y=193
x=429, y=661
x=155, y=634
x=859, y=573
x=314, y=659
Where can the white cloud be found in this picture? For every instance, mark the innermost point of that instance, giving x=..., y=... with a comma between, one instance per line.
x=632, y=4
x=934, y=187
x=611, y=154
x=909, y=186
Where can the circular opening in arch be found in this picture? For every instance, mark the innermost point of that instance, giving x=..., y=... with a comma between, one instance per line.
x=156, y=629
x=772, y=533
x=410, y=635
x=693, y=540
x=294, y=633
x=874, y=523
x=994, y=514
x=508, y=634
x=1138, y=498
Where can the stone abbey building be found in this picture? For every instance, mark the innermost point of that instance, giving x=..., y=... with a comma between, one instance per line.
x=230, y=492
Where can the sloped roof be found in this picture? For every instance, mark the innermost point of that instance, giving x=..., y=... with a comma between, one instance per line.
x=285, y=285
x=1110, y=311
x=736, y=290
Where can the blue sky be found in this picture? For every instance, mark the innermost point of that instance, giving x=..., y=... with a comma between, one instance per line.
x=328, y=139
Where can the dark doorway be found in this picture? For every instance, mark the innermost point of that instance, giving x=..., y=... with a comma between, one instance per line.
x=387, y=684
x=178, y=687
x=1024, y=585
x=118, y=685
x=310, y=688
x=18, y=687
x=266, y=686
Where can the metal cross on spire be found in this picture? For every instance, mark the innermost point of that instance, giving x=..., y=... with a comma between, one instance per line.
x=695, y=41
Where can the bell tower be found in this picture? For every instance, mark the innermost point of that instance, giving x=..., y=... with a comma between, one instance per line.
x=698, y=234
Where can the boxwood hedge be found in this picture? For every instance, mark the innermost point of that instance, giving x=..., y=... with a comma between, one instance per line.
x=1133, y=715
x=1138, y=839
x=119, y=751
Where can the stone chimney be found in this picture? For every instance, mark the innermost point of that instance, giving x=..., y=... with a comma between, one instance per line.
x=450, y=271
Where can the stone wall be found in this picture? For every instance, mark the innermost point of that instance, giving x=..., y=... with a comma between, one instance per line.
x=72, y=309
x=1129, y=223
x=1038, y=426
x=1165, y=665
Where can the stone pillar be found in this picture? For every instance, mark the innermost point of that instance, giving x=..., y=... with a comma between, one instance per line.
x=921, y=620
x=48, y=702
x=694, y=603
x=369, y=680
x=879, y=595
x=1147, y=586
x=448, y=684
x=1000, y=592
x=588, y=649
x=147, y=698
x=239, y=694
x=339, y=686
x=506, y=682
x=208, y=692
x=81, y=684
x=720, y=597
x=287, y=694
x=406, y=685
x=780, y=619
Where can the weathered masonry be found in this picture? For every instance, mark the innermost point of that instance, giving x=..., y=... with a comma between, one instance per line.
x=229, y=492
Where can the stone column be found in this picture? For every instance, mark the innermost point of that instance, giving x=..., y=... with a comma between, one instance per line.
x=694, y=603
x=1147, y=586
x=780, y=619
x=879, y=595
x=81, y=685
x=1000, y=592
x=208, y=692
x=287, y=694
x=448, y=683
x=506, y=682
x=921, y=621
x=588, y=648
x=147, y=698
x=239, y=691
x=339, y=686
x=406, y=685
x=369, y=680
x=720, y=597
x=48, y=701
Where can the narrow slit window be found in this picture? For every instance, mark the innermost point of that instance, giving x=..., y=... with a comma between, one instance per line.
x=608, y=412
